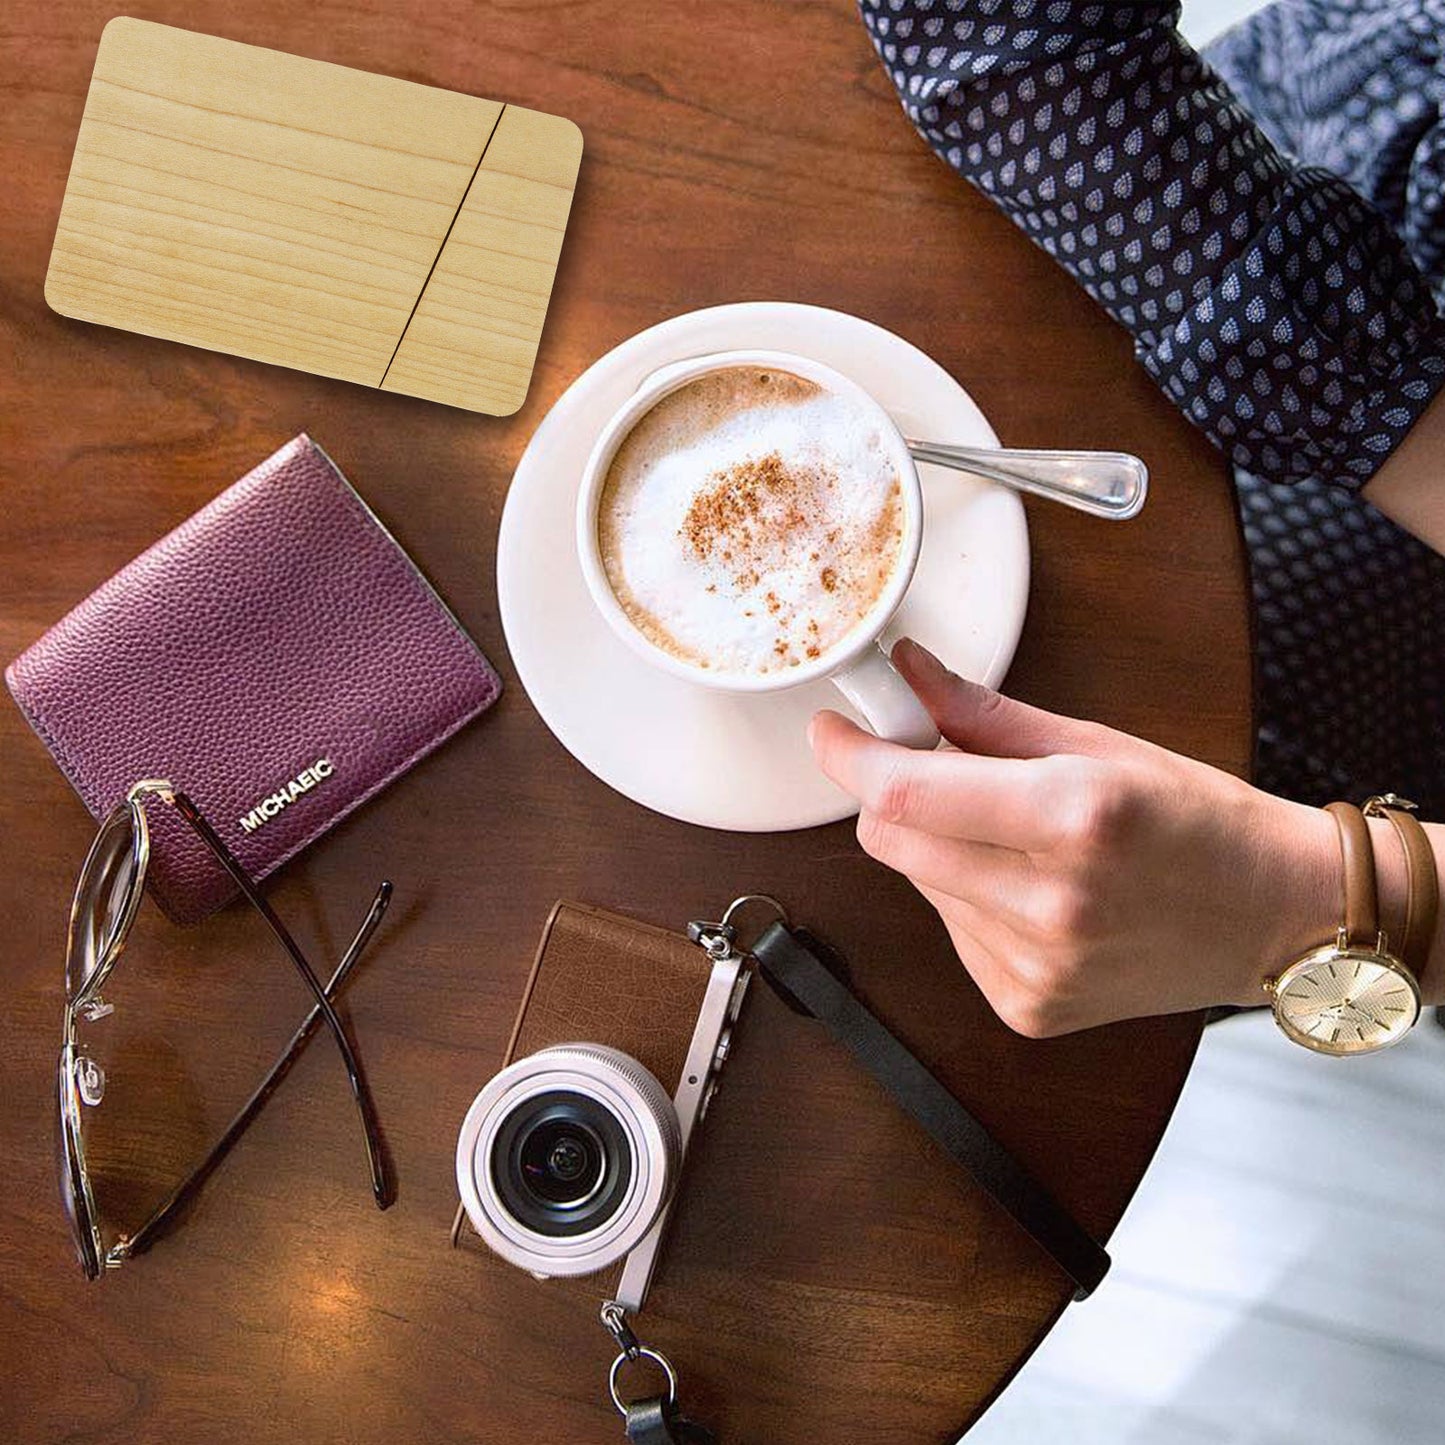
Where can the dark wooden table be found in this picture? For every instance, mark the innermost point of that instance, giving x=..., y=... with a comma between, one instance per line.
x=829, y=1276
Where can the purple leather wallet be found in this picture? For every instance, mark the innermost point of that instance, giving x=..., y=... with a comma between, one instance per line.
x=278, y=657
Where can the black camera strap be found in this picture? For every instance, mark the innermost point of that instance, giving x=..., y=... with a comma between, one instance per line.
x=655, y=1421
x=787, y=960
x=800, y=970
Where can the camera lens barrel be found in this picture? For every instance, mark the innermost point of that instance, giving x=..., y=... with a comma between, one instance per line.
x=567, y=1158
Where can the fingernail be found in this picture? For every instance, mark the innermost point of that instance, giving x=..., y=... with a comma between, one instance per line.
x=812, y=728
x=919, y=660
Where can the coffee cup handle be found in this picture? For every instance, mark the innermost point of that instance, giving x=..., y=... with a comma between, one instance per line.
x=875, y=687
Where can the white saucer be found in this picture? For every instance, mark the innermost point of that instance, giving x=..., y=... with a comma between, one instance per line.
x=724, y=760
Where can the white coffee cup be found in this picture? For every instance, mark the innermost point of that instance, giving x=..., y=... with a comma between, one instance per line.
x=857, y=665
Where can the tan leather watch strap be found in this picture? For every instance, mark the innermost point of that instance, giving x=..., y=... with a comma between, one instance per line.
x=1362, y=905
x=1422, y=896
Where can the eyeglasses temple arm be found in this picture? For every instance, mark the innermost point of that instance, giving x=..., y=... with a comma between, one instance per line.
x=380, y=1183
x=147, y=1234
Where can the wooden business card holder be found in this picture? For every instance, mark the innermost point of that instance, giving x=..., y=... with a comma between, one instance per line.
x=318, y=217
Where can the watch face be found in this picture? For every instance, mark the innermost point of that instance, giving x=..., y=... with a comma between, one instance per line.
x=1348, y=1001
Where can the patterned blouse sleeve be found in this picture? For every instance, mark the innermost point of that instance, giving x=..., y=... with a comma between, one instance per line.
x=1274, y=306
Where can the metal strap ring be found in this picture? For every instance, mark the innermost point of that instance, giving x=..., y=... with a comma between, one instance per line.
x=737, y=903
x=658, y=1359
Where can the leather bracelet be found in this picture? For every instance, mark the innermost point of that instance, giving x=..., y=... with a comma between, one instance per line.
x=1362, y=902
x=1422, y=885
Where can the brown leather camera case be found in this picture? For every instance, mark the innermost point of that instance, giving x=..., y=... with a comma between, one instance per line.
x=600, y=978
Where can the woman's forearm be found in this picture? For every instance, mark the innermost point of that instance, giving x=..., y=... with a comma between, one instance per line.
x=1409, y=488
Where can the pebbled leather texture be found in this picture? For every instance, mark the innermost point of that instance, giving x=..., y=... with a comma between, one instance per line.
x=280, y=625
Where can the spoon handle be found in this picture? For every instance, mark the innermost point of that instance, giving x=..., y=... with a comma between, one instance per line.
x=1105, y=484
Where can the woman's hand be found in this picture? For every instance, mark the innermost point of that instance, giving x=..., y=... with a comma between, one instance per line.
x=1085, y=875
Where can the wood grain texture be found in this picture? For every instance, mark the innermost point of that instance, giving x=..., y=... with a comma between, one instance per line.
x=473, y=339
x=292, y=211
x=829, y=1278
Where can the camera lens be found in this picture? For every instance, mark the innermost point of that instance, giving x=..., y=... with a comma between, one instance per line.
x=561, y=1163
x=562, y=1158
x=568, y=1157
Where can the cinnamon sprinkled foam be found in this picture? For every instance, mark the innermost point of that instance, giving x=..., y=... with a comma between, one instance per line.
x=750, y=520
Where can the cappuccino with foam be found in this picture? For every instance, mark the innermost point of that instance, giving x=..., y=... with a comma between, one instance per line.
x=750, y=520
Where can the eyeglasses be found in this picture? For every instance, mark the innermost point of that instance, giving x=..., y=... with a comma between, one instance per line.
x=107, y=898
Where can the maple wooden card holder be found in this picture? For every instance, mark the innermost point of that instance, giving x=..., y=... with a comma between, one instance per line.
x=303, y=213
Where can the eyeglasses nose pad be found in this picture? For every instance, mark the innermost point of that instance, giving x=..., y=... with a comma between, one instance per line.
x=89, y=1080
x=95, y=1008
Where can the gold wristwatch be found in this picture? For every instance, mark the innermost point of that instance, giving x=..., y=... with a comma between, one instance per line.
x=1353, y=995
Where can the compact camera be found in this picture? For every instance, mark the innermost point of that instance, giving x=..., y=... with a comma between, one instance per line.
x=569, y=1158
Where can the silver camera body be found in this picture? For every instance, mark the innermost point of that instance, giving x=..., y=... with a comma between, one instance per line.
x=568, y=1160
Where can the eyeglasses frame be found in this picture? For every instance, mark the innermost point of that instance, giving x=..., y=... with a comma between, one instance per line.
x=86, y=1000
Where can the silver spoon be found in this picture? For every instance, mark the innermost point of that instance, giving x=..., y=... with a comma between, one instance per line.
x=1112, y=485
x=1106, y=484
